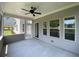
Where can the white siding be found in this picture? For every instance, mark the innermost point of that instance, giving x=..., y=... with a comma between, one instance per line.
x=72, y=46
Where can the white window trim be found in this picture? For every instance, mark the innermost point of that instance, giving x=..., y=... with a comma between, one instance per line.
x=55, y=28
x=64, y=30
x=45, y=28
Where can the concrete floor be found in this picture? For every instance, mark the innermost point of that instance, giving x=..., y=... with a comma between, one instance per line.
x=36, y=48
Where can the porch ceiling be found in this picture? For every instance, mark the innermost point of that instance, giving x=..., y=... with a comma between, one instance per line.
x=44, y=7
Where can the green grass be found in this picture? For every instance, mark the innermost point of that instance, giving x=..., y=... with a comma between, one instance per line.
x=7, y=32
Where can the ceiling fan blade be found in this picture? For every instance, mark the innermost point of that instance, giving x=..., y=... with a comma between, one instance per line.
x=33, y=8
x=27, y=13
x=24, y=9
x=37, y=13
x=33, y=14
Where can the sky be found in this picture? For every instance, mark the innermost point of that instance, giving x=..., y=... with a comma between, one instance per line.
x=69, y=21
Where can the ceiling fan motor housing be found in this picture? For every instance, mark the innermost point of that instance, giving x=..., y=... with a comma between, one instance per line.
x=32, y=11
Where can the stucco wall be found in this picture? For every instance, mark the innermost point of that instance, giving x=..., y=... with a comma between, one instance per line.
x=72, y=46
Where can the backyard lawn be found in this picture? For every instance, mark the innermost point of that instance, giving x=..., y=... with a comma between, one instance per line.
x=7, y=32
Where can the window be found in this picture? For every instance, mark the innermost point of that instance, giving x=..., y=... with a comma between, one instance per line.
x=23, y=25
x=69, y=27
x=29, y=21
x=54, y=28
x=45, y=28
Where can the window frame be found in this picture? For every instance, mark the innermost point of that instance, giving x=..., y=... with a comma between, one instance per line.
x=56, y=28
x=44, y=28
x=64, y=27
